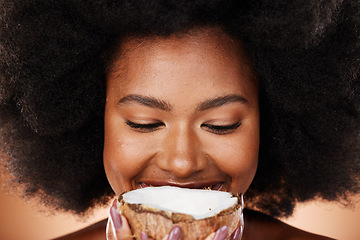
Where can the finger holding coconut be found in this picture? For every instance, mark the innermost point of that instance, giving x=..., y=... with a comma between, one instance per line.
x=118, y=228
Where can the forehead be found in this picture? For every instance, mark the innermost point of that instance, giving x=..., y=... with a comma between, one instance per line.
x=206, y=39
x=207, y=43
x=197, y=56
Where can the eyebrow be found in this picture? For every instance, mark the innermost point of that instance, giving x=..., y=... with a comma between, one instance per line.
x=220, y=101
x=146, y=101
x=163, y=105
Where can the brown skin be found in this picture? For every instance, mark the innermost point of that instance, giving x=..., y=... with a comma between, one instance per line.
x=184, y=73
x=184, y=111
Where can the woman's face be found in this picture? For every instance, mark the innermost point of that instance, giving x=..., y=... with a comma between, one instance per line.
x=182, y=111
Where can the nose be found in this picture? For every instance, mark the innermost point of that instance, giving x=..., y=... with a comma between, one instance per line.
x=181, y=154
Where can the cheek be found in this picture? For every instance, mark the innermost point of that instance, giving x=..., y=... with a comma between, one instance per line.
x=124, y=156
x=243, y=167
x=238, y=160
x=237, y=156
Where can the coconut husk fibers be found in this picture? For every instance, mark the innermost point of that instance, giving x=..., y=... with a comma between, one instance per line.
x=157, y=223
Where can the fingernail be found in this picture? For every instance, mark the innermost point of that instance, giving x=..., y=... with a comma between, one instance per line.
x=115, y=216
x=114, y=203
x=175, y=233
x=144, y=236
x=222, y=233
x=237, y=234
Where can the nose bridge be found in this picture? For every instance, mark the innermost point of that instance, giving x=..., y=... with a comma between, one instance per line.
x=180, y=153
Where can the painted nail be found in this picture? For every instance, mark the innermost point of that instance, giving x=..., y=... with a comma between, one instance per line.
x=222, y=233
x=175, y=233
x=237, y=234
x=144, y=236
x=115, y=216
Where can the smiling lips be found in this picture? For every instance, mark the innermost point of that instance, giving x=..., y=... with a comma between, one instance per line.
x=218, y=186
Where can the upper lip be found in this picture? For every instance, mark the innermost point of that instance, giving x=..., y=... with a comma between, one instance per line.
x=194, y=185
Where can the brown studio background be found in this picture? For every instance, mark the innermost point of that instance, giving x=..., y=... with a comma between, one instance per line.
x=28, y=220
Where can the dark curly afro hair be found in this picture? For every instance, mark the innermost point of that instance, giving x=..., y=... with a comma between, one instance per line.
x=53, y=60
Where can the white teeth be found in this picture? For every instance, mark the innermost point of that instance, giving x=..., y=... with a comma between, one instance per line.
x=217, y=186
x=144, y=185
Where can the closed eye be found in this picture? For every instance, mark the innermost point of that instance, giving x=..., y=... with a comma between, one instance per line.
x=221, y=129
x=149, y=127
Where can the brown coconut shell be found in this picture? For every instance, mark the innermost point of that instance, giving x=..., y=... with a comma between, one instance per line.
x=157, y=223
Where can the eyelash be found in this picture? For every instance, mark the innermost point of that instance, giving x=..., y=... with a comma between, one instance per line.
x=144, y=127
x=222, y=129
x=216, y=129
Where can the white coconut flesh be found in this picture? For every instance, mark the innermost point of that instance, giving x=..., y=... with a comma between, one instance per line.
x=198, y=203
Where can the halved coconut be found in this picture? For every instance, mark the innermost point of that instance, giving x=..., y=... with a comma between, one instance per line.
x=198, y=212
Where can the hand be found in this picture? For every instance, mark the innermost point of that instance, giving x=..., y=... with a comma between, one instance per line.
x=118, y=229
